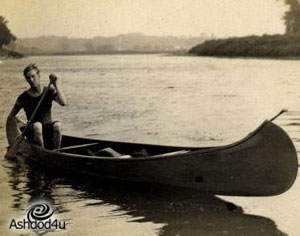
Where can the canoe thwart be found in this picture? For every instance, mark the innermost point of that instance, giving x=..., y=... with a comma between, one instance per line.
x=75, y=147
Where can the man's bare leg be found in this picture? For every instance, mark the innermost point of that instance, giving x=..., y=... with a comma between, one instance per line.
x=110, y=152
x=56, y=135
x=38, y=133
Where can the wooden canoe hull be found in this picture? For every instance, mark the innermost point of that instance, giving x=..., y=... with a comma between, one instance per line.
x=262, y=164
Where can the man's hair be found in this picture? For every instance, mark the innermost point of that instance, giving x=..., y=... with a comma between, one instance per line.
x=29, y=68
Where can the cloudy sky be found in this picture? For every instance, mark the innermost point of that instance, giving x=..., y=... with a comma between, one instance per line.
x=89, y=18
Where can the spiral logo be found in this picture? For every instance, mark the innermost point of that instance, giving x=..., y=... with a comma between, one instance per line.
x=39, y=212
x=39, y=218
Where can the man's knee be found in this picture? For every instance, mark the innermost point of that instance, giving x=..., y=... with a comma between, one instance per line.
x=57, y=127
x=37, y=128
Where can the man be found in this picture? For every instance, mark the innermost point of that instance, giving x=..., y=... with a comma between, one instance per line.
x=42, y=131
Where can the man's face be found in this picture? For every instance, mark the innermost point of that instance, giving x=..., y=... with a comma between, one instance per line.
x=33, y=78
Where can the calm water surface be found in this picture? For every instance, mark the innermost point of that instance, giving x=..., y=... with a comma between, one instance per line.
x=163, y=100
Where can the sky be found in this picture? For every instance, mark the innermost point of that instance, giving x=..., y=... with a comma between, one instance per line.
x=91, y=18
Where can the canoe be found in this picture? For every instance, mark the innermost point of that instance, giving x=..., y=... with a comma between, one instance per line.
x=262, y=164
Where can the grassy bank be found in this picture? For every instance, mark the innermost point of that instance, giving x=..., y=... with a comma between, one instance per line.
x=251, y=46
x=4, y=53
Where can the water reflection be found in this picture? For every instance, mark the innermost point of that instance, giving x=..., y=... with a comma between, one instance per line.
x=181, y=212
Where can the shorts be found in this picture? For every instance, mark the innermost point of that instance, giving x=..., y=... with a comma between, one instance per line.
x=47, y=134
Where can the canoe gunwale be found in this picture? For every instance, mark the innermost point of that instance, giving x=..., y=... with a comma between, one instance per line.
x=193, y=150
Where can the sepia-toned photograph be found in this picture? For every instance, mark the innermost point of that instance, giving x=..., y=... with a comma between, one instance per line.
x=149, y=118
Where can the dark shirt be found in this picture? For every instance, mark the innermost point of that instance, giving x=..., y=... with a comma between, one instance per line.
x=29, y=103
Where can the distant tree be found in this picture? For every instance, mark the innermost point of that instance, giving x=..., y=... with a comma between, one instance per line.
x=5, y=35
x=292, y=17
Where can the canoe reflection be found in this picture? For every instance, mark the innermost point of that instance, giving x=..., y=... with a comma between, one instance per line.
x=182, y=212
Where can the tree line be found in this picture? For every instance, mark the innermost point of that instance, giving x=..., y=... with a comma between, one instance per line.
x=5, y=35
x=291, y=19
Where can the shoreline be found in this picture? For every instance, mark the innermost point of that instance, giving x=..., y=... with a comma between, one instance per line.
x=99, y=54
x=166, y=54
x=248, y=57
x=9, y=54
x=285, y=47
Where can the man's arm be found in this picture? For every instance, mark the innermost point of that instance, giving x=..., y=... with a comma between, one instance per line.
x=15, y=110
x=60, y=97
x=11, y=119
x=12, y=134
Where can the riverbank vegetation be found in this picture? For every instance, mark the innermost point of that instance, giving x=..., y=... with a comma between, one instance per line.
x=286, y=45
x=251, y=46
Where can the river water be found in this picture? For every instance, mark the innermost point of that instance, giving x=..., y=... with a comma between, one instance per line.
x=176, y=100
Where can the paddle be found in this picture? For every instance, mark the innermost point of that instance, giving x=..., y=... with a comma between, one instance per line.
x=13, y=149
x=280, y=113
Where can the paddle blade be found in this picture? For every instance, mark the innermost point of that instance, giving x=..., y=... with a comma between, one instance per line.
x=12, y=150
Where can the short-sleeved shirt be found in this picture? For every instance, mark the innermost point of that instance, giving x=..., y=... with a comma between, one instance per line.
x=29, y=103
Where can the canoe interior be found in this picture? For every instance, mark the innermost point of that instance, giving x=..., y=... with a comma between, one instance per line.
x=82, y=147
x=91, y=147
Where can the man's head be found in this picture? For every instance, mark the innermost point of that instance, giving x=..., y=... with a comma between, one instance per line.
x=32, y=75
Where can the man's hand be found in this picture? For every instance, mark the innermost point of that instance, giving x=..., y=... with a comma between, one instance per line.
x=53, y=79
x=60, y=97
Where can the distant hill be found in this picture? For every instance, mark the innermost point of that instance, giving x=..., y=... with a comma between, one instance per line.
x=126, y=43
x=251, y=46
